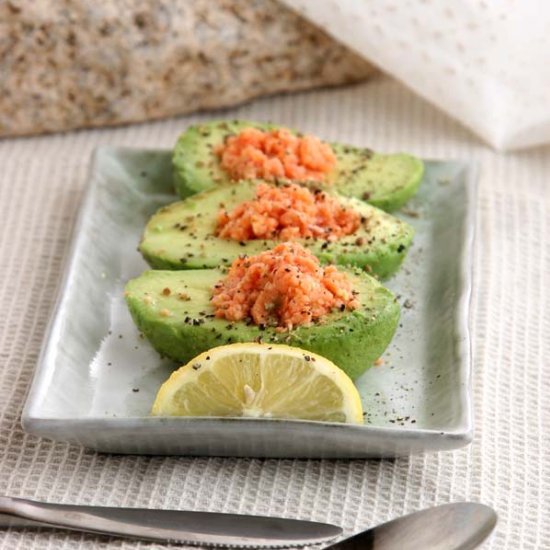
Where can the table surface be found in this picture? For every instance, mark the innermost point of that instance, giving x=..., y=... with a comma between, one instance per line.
x=42, y=181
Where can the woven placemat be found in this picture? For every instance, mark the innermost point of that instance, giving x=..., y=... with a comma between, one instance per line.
x=507, y=466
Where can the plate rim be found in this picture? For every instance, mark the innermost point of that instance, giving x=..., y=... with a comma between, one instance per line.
x=45, y=426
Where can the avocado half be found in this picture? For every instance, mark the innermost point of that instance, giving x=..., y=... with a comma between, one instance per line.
x=385, y=181
x=173, y=310
x=182, y=235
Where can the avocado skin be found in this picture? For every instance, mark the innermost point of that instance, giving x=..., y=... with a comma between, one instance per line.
x=352, y=340
x=182, y=235
x=385, y=181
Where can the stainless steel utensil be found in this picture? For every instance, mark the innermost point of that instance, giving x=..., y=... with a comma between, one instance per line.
x=456, y=526
x=205, y=528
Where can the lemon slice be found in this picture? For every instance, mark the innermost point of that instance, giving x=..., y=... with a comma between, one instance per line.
x=260, y=381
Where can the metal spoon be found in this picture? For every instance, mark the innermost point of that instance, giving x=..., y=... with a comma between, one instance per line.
x=456, y=526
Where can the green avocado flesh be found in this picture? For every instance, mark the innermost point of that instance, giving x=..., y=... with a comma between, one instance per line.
x=182, y=235
x=385, y=181
x=180, y=322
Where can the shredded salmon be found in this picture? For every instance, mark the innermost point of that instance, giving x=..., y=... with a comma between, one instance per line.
x=287, y=213
x=284, y=287
x=269, y=155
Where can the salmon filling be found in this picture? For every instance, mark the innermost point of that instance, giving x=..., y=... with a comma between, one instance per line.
x=284, y=287
x=258, y=154
x=287, y=213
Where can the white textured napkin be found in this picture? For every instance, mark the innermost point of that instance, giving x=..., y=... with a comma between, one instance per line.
x=485, y=63
x=507, y=466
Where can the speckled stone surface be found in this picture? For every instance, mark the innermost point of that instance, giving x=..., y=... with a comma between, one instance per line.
x=75, y=63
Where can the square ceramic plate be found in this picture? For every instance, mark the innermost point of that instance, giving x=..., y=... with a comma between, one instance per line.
x=96, y=378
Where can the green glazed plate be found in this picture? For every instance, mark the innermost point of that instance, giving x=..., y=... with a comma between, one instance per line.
x=96, y=378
